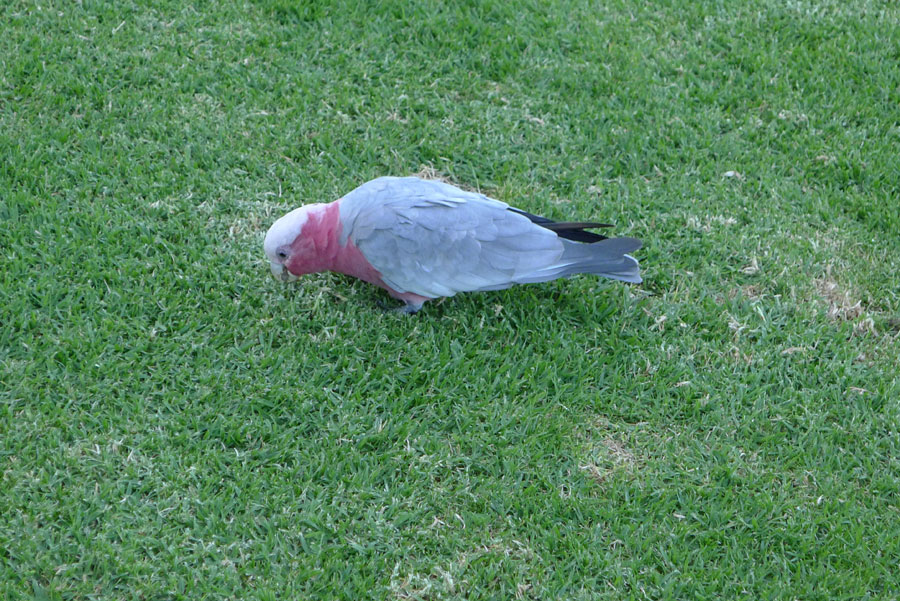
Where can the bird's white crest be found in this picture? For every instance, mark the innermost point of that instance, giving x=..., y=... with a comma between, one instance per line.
x=285, y=230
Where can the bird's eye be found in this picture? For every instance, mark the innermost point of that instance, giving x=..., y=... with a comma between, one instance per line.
x=282, y=254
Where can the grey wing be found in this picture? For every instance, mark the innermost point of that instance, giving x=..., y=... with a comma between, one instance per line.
x=437, y=240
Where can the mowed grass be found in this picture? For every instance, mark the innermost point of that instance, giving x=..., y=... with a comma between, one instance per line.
x=175, y=424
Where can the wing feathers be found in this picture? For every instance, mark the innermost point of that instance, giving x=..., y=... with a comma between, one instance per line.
x=570, y=230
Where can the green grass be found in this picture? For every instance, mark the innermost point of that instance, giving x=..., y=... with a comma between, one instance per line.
x=175, y=424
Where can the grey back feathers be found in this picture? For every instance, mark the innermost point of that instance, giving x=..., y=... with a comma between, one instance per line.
x=434, y=240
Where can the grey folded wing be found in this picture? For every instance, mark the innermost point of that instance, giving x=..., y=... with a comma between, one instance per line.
x=436, y=240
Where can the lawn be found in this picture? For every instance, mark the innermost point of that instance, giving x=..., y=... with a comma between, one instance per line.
x=176, y=424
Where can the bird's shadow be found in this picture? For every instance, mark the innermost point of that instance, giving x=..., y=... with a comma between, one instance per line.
x=525, y=307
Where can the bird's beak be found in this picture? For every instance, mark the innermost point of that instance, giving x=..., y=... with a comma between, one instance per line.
x=281, y=273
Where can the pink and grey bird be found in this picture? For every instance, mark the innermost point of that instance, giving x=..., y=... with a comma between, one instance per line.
x=424, y=239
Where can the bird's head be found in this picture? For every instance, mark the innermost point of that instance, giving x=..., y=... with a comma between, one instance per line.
x=284, y=244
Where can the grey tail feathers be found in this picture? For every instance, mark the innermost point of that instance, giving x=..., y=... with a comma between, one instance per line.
x=607, y=258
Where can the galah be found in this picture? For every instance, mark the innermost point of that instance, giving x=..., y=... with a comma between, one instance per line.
x=425, y=239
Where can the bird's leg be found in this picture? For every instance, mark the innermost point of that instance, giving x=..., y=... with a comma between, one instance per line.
x=413, y=302
x=411, y=308
x=407, y=309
